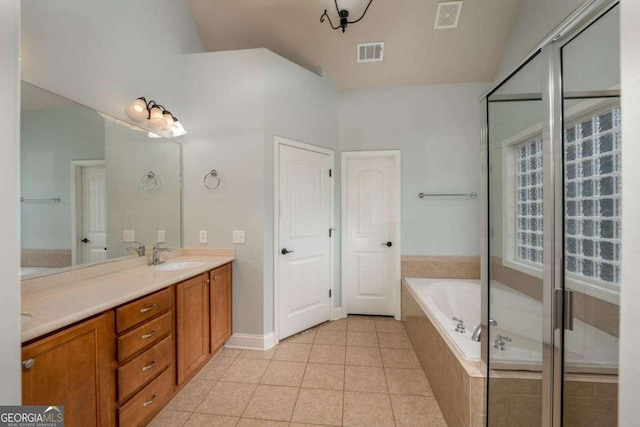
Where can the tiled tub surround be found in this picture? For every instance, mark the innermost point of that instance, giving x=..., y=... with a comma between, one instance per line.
x=45, y=258
x=456, y=374
x=441, y=267
x=60, y=300
x=516, y=400
x=359, y=371
x=593, y=311
x=458, y=384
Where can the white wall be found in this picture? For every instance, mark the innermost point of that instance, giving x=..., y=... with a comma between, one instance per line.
x=50, y=139
x=301, y=106
x=536, y=19
x=107, y=53
x=10, y=393
x=242, y=99
x=129, y=155
x=630, y=297
x=226, y=133
x=438, y=130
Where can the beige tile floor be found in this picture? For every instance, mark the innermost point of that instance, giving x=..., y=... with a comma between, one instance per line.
x=359, y=371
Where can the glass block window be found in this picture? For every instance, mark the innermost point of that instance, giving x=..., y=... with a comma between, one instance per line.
x=592, y=197
x=529, y=208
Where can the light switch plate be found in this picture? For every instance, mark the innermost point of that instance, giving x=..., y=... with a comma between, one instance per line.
x=161, y=236
x=203, y=236
x=128, y=236
x=238, y=236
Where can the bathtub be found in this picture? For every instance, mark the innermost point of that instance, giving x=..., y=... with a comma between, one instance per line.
x=587, y=349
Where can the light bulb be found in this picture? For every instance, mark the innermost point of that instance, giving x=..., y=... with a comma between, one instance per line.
x=138, y=109
x=169, y=119
x=156, y=119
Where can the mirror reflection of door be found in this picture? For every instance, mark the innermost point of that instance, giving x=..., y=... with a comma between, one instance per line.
x=94, y=215
x=89, y=208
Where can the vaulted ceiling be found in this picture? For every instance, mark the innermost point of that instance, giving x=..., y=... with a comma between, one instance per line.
x=414, y=52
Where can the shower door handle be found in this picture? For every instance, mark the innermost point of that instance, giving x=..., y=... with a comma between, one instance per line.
x=568, y=310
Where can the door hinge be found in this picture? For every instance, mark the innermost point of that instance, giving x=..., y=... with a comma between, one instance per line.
x=331, y=232
x=329, y=293
x=330, y=173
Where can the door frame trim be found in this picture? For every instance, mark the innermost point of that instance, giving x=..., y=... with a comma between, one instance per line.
x=277, y=142
x=396, y=155
x=76, y=203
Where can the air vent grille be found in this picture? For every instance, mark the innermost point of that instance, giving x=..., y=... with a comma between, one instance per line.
x=370, y=52
x=448, y=15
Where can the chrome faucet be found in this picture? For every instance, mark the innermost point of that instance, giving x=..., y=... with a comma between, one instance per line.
x=155, y=259
x=501, y=342
x=476, y=336
x=140, y=249
x=460, y=326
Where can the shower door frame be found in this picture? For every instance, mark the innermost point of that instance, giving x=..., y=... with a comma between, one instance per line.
x=553, y=187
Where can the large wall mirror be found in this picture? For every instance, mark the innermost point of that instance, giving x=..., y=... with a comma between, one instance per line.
x=91, y=186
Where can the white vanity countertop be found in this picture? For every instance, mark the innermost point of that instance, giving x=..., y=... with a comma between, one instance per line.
x=63, y=305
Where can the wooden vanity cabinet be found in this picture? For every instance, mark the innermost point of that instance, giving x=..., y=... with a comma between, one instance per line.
x=145, y=357
x=220, y=297
x=192, y=326
x=123, y=365
x=72, y=368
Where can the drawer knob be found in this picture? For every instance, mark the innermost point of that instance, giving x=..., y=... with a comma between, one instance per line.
x=28, y=363
x=149, y=335
x=149, y=402
x=147, y=309
x=149, y=366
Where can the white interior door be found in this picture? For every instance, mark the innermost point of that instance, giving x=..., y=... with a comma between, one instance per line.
x=371, y=215
x=304, y=250
x=93, y=239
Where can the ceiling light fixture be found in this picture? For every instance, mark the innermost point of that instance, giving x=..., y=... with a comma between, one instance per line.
x=156, y=116
x=346, y=8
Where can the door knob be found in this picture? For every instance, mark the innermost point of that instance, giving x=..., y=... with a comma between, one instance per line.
x=388, y=244
x=85, y=240
x=284, y=251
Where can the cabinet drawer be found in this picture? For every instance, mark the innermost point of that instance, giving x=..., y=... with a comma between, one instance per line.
x=143, y=309
x=144, y=336
x=148, y=401
x=144, y=367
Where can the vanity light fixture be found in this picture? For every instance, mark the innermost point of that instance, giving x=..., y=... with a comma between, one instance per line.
x=156, y=116
x=344, y=10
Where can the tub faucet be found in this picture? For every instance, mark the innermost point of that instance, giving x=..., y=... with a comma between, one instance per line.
x=478, y=331
x=460, y=327
x=155, y=259
x=501, y=342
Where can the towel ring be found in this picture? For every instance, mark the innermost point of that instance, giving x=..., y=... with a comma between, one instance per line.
x=214, y=177
x=150, y=182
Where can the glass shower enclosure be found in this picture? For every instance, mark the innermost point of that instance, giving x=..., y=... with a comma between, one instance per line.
x=551, y=244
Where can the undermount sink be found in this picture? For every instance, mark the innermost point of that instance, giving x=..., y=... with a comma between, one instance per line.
x=25, y=317
x=175, y=266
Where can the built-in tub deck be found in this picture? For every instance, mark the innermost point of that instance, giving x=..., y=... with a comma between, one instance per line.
x=453, y=364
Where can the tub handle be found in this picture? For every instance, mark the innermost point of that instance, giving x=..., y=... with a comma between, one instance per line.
x=460, y=328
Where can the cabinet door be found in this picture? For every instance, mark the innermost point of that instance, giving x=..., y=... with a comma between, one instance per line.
x=220, y=292
x=72, y=369
x=192, y=318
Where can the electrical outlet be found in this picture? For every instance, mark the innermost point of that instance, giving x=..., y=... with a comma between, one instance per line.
x=161, y=236
x=128, y=236
x=203, y=236
x=238, y=236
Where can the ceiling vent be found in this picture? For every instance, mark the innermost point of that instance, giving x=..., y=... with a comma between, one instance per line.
x=370, y=52
x=448, y=14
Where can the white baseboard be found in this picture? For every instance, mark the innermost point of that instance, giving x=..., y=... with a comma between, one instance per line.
x=338, y=313
x=251, y=342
